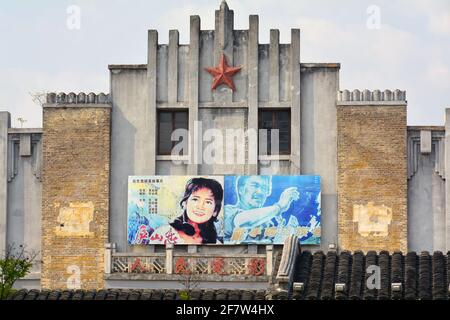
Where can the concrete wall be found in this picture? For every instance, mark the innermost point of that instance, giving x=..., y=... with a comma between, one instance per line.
x=5, y=123
x=319, y=85
x=223, y=119
x=25, y=191
x=426, y=189
x=447, y=179
x=129, y=144
x=20, y=193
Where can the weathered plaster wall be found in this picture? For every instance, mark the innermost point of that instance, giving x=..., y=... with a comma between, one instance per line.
x=319, y=139
x=5, y=123
x=372, y=173
x=75, y=195
x=20, y=193
x=25, y=196
x=426, y=189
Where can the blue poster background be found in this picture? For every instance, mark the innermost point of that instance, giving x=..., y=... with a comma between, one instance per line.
x=302, y=218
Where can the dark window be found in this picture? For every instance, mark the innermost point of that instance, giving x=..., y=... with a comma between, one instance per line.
x=276, y=119
x=168, y=122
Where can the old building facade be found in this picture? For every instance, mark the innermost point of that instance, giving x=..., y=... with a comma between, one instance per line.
x=63, y=188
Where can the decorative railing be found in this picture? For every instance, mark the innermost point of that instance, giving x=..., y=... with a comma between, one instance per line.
x=235, y=265
x=182, y=263
x=138, y=263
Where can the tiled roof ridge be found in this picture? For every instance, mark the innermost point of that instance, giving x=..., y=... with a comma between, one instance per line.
x=343, y=275
x=137, y=294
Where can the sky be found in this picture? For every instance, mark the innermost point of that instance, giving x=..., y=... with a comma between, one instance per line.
x=54, y=46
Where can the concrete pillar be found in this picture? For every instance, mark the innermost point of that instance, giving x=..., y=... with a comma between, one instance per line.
x=274, y=74
x=169, y=258
x=194, y=51
x=438, y=187
x=25, y=145
x=269, y=259
x=108, y=257
x=425, y=141
x=32, y=198
x=223, y=44
x=295, y=101
x=173, y=67
x=447, y=178
x=151, y=116
x=253, y=94
x=5, y=124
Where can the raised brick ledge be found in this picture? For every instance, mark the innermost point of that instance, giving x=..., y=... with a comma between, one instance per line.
x=76, y=105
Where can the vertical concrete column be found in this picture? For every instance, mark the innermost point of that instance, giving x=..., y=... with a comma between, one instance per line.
x=169, y=258
x=274, y=74
x=151, y=115
x=295, y=101
x=25, y=145
x=269, y=259
x=31, y=230
x=253, y=94
x=108, y=256
x=173, y=67
x=425, y=141
x=5, y=124
x=447, y=178
x=194, y=51
x=223, y=44
x=439, y=213
x=32, y=197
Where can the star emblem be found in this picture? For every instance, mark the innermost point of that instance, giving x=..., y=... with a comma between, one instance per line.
x=222, y=74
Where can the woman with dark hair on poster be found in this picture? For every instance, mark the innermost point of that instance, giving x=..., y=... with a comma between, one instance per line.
x=201, y=204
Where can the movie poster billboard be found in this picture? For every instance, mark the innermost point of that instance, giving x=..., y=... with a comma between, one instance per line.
x=175, y=209
x=267, y=209
x=217, y=209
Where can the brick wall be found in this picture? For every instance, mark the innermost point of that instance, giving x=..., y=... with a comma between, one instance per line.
x=76, y=157
x=372, y=181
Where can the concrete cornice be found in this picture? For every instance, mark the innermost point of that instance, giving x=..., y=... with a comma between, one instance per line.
x=144, y=66
x=76, y=105
x=357, y=97
x=427, y=128
x=321, y=65
x=127, y=66
x=24, y=130
x=80, y=98
x=372, y=103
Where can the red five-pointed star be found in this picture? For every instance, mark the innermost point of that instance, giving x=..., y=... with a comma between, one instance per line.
x=222, y=74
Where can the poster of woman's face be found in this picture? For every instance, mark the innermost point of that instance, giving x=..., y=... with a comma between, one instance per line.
x=218, y=209
x=175, y=209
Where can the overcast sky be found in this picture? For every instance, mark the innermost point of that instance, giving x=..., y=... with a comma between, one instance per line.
x=409, y=49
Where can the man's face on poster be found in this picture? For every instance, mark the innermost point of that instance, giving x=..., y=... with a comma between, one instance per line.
x=254, y=192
